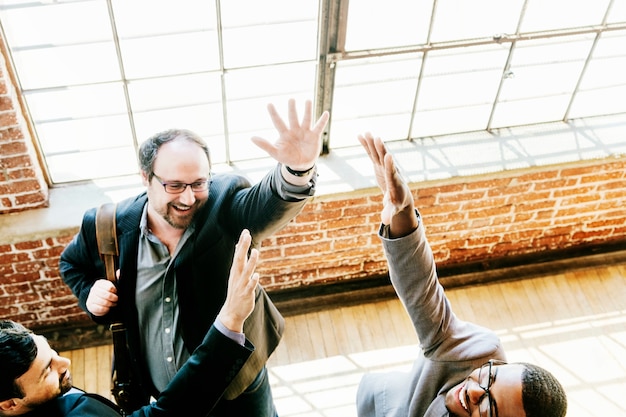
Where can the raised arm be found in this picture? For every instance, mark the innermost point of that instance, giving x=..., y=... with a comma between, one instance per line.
x=411, y=263
x=299, y=143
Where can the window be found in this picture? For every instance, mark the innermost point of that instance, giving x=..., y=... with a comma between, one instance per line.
x=98, y=77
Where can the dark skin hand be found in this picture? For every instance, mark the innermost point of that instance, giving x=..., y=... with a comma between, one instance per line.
x=398, y=206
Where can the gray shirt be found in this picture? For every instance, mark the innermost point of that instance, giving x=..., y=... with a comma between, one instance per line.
x=156, y=299
x=162, y=345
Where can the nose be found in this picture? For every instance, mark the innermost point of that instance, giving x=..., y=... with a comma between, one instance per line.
x=187, y=197
x=61, y=363
x=475, y=392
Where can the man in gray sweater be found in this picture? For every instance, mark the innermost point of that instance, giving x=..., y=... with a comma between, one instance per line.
x=461, y=368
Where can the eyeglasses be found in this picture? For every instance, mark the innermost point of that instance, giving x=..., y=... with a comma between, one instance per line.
x=180, y=187
x=486, y=376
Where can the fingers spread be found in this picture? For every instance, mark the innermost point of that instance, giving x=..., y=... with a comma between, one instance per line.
x=307, y=116
x=293, y=114
x=321, y=123
x=276, y=119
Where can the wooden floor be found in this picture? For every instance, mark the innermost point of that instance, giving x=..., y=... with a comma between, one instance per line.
x=573, y=324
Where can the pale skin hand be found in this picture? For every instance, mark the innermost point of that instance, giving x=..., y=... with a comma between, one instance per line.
x=298, y=145
x=398, y=206
x=102, y=296
x=242, y=283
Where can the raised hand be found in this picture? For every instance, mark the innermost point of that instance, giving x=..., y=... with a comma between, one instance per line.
x=298, y=145
x=242, y=283
x=398, y=207
x=377, y=151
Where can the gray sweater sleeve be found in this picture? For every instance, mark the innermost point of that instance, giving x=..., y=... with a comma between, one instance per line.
x=442, y=335
x=413, y=274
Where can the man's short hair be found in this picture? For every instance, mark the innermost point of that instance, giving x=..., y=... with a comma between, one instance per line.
x=18, y=350
x=149, y=149
x=542, y=394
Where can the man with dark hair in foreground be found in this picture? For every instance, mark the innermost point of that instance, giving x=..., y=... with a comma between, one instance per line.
x=36, y=381
x=461, y=368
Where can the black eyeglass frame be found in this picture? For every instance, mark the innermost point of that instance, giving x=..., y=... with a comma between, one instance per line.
x=487, y=395
x=167, y=186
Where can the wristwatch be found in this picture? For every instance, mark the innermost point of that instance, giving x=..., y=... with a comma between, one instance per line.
x=300, y=173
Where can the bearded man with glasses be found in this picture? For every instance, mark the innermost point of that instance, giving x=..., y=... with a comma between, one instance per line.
x=461, y=368
x=176, y=243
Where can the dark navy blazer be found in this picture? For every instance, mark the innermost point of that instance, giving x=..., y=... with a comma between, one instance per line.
x=203, y=264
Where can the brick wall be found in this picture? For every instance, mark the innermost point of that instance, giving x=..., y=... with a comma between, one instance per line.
x=22, y=184
x=31, y=290
x=515, y=214
x=471, y=219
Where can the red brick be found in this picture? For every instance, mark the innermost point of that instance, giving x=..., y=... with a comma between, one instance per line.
x=299, y=238
x=10, y=258
x=6, y=103
x=352, y=231
x=13, y=148
x=5, y=202
x=8, y=119
x=538, y=176
x=10, y=134
x=573, y=191
x=342, y=222
x=318, y=216
x=530, y=196
x=456, y=197
x=555, y=184
x=25, y=246
x=307, y=249
x=480, y=204
x=19, y=161
x=490, y=183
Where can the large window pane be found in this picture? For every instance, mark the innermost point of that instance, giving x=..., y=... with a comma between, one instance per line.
x=557, y=14
x=543, y=75
x=76, y=102
x=376, y=24
x=82, y=149
x=142, y=18
x=603, y=86
x=459, y=19
x=376, y=95
x=250, y=91
x=458, y=89
x=268, y=32
x=170, y=54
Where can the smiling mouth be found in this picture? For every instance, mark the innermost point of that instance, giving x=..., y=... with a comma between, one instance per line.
x=182, y=208
x=462, y=398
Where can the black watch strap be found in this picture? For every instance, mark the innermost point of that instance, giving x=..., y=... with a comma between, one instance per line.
x=300, y=173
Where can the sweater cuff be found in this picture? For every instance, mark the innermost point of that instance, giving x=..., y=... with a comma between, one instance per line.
x=290, y=192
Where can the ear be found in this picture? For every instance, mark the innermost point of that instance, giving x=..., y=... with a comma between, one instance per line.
x=144, y=178
x=9, y=405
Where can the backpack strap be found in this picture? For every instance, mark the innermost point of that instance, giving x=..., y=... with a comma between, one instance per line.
x=124, y=388
x=107, y=238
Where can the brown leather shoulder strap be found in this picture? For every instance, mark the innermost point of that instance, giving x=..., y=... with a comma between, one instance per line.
x=106, y=235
